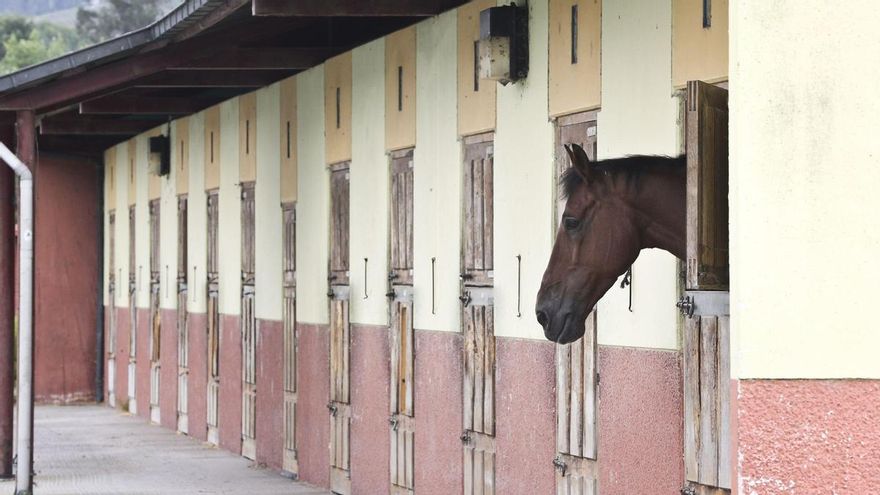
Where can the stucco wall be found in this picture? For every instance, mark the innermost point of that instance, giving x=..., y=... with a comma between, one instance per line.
x=168, y=238
x=523, y=186
x=436, y=176
x=267, y=198
x=369, y=187
x=312, y=213
x=229, y=230
x=197, y=218
x=121, y=240
x=639, y=116
x=804, y=230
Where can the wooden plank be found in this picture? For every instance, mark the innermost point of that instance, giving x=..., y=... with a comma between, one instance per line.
x=488, y=209
x=395, y=218
x=489, y=473
x=468, y=227
x=395, y=356
x=708, y=401
x=401, y=457
x=479, y=470
x=479, y=366
x=577, y=391
x=409, y=359
x=724, y=442
x=563, y=392
x=346, y=349
x=590, y=395
x=409, y=458
x=489, y=373
x=477, y=222
x=392, y=464
x=691, y=352
x=468, y=453
x=468, y=385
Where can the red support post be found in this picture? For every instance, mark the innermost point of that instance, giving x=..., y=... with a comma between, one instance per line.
x=7, y=317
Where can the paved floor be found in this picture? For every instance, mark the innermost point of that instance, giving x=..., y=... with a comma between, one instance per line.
x=95, y=450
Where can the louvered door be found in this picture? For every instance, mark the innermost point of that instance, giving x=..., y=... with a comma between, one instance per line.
x=248, y=325
x=402, y=419
x=288, y=320
x=182, y=326
x=576, y=375
x=340, y=338
x=213, y=317
x=478, y=321
x=155, y=314
x=706, y=342
x=111, y=299
x=133, y=319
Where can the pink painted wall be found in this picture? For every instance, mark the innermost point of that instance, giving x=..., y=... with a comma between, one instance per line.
x=197, y=407
x=809, y=436
x=142, y=365
x=66, y=221
x=122, y=355
x=525, y=416
x=270, y=393
x=640, y=421
x=313, y=392
x=229, y=414
x=437, y=396
x=370, y=409
x=168, y=368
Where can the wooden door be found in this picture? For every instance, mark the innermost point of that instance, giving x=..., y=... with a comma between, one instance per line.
x=576, y=375
x=248, y=325
x=182, y=320
x=155, y=314
x=111, y=299
x=288, y=319
x=132, y=298
x=213, y=323
x=478, y=320
x=402, y=357
x=340, y=339
x=706, y=342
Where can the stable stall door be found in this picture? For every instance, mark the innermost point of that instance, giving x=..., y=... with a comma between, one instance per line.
x=340, y=339
x=111, y=295
x=182, y=327
x=478, y=320
x=288, y=319
x=402, y=419
x=155, y=315
x=132, y=298
x=248, y=326
x=213, y=323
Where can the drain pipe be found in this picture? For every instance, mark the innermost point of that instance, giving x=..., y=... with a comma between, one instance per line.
x=24, y=438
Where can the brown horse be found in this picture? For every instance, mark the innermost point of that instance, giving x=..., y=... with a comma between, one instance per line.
x=614, y=209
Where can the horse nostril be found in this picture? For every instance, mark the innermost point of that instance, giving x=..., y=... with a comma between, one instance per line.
x=542, y=318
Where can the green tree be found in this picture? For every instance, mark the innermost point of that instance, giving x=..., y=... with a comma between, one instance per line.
x=26, y=43
x=112, y=18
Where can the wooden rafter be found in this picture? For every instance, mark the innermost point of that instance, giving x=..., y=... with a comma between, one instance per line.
x=352, y=8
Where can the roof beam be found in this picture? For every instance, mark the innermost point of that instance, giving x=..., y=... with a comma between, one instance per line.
x=211, y=79
x=95, y=127
x=258, y=58
x=140, y=105
x=351, y=8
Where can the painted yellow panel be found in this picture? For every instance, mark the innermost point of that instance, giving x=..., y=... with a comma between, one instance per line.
x=804, y=229
x=337, y=108
x=110, y=174
x=247, y=137
x=132, y=167
x=267, y=201
x=699, y=53
x=639, y=116
x=287, y=139
x=369, y=188
x=436, y=181
x=400, y=89
x=575, y=59
x=180, y=154
x=212, y=148
x=476, y=97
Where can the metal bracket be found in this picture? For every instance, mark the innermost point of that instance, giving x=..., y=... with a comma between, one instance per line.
x=465, y=437
x=394, y=422
x=465, y=298
x=688, y=490
x=686, y=306
x=704, y=302
x=332, y=408
x=560, y=465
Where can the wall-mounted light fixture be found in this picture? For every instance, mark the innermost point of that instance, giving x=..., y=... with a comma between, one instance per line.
x=160, y=155
x=503, y=47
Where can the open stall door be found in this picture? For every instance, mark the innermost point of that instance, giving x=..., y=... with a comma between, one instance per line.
x=248, y=326
x=155, y=314
x=133, y=319
x=182, y=327
x=111, y=297
x=706, y=351
x=288, y=319
x=213, y=323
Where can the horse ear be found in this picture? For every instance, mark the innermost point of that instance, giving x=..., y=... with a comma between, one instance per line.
x=579, y=160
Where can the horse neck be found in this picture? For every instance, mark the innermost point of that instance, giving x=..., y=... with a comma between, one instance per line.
x=660, y=201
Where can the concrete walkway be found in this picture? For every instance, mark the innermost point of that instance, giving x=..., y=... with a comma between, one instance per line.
x=95, y=450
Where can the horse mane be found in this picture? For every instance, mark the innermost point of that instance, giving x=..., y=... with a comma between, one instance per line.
x=633, y=167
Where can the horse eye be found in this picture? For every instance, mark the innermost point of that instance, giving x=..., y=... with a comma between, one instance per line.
x=571, y=223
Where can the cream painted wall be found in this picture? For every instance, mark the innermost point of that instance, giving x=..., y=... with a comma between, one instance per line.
x=437, y=177
x=197, y=218
x=369, y=187
x=168, y=235
x=267, y=202
x=121, y=254
x=805, y=234
x=109, y=175
x=142, y=223
x=639, y=116
x=523, y=186
x=313, y=191
x=229, y=231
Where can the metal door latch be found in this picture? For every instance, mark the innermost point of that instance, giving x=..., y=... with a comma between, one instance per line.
x=688, y=490
x=394, y=422
x=392, y=275
x=332, y=408
x=686, y=305
x=465, y=437
x=390, y=294
x=560, y=465
x=465, y=298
